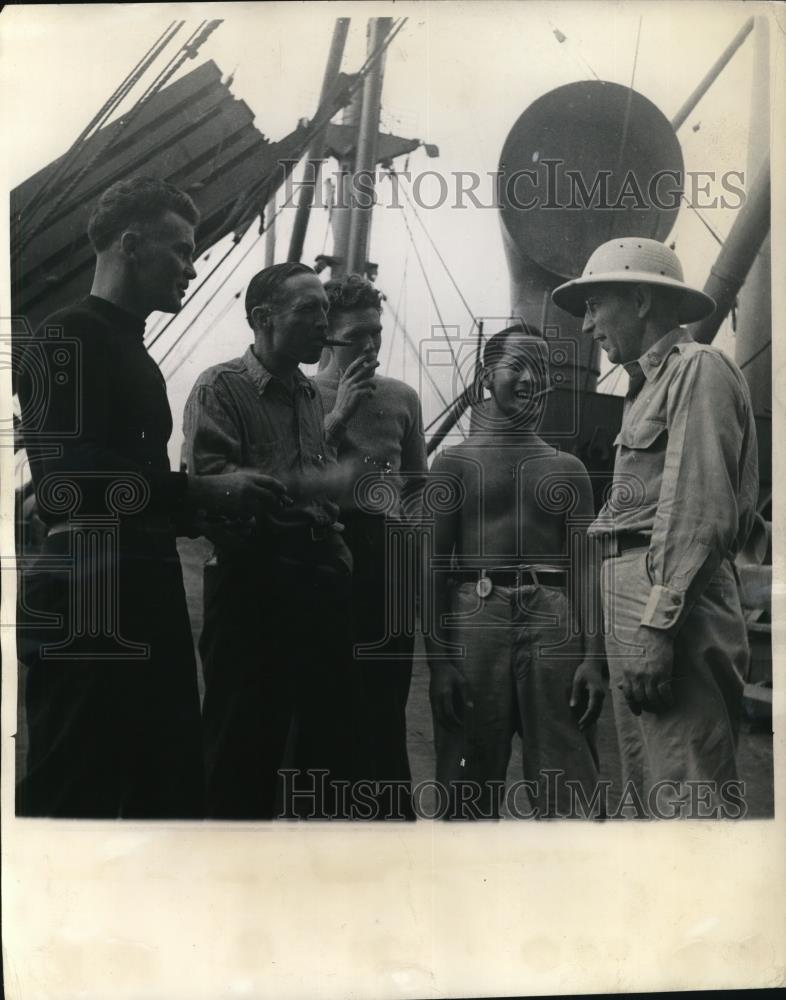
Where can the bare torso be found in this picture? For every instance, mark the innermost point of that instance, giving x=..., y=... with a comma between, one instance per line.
x=516, y=500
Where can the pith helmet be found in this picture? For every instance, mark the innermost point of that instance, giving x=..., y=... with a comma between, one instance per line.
x=634, y=260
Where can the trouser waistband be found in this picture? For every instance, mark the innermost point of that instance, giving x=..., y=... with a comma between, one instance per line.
x=614, y=545
x=514, y=576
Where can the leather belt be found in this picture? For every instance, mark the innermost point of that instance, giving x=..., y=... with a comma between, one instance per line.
x=519, y=576
x=616, y=545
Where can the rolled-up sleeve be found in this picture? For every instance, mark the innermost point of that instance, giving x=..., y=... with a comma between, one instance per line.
x=698, y=517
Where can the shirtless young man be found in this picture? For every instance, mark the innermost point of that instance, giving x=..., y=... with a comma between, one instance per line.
x=514, y=653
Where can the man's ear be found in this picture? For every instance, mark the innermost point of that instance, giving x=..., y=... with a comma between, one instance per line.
x=642, y=296
x=260, y=316
x=129, y=244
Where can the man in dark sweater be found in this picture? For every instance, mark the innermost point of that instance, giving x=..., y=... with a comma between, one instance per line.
x=111, y=699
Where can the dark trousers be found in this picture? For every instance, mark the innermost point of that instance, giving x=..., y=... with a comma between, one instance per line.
x=274, y=653
x=110, y=734
x=383, y=668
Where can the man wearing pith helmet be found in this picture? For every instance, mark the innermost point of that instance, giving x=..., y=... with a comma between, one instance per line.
x=681, y=505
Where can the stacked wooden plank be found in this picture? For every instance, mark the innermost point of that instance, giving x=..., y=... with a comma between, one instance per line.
x=193, y=133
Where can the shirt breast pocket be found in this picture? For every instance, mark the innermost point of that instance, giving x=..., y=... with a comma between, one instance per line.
x=638, y=470
x=645, y=435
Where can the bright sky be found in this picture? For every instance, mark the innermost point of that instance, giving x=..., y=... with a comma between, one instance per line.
x=458, y=75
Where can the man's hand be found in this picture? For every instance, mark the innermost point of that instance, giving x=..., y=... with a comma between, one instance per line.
x=236, y=494
x=646, y=680
x=448, y=694
x=357, y=383
x=228, y=534
x=587, y=693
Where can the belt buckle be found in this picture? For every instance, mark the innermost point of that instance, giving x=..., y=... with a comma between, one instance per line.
x=318, y=532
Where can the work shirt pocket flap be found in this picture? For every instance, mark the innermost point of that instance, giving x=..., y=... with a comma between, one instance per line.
x=641, y=435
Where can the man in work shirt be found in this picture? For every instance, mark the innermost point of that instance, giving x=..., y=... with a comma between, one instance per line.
x=682, y=504
x=275, y=640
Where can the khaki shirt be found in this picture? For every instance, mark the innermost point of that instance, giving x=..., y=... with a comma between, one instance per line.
x=686, y=471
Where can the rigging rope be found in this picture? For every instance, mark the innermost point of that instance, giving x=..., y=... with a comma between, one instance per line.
x=703, y=221
x=190, y=298
x=95, y=123
x=391, y=173
x=442, y=413
x=184, y=357
x=324, y=118
x=207, y=277
x=753, y=357
x=618, y=381
x=603, y=378
x=433, y=299
x=626, y=121
x=410, y=342
x=620, y=153
x=189, y=51
x=329, y=208
x=183, y=332
x=314, y=126
x=560, y=37
x=398, y=306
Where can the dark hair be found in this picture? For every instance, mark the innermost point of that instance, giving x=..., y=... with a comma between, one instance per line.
x=141, y=200
x=495, y=346
x=352, y=292
x=265, y=285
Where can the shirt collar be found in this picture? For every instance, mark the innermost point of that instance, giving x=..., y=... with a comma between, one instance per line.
x=262, y=378
x=651, y=362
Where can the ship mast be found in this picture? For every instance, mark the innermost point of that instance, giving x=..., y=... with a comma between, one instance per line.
x=317, y=149
x=366, y=155
x=358, y=146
